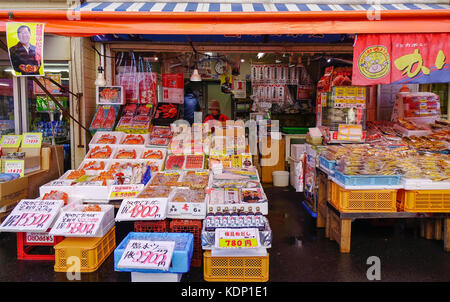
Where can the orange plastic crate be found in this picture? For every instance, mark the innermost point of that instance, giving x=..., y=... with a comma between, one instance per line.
x=92, y=252
x=363, y=200
x=235, y=269
x=156, y=226
x=194, y=227
x=424, y=201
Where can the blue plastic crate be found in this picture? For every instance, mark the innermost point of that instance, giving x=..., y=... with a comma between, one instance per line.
x=182, y=254
x=328, y=164
x=367, y=180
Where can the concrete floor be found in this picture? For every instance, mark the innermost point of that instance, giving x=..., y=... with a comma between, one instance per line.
x=299, y=253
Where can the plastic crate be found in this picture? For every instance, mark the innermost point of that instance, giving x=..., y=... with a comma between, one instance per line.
x=424, y=201
x=25, y=246
x=92, y=252
x=327, y=164
x=294, y=130
x=235, y=269
x=363, y=200
x=195, y=228
x=156, y=226
x=367, y=180
x=182, y=254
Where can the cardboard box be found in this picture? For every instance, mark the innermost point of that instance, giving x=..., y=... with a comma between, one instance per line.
x=13, y=190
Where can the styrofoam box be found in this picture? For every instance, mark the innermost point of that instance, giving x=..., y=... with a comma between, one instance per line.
x=105, y=225
x=57, y=185
x=263, y=206
x=94, y=191
x=152, y=277
x=185, y=210
x=146, y=137
x=95, y=172
x=131, y=148
x=298, y=150
x=163, y=150
x=406, y=132
x=113, y=150
x=98, y=134
x=424, y=184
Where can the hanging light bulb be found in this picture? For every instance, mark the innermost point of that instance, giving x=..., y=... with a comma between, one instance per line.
x=100, y=81
x=195, y=77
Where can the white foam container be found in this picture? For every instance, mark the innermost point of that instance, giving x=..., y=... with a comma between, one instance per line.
x=406, y=132
x=185, y=210
x=146, y=137
x=424, y=184
x=98, y=134
x=138, y=149
x=155, y=277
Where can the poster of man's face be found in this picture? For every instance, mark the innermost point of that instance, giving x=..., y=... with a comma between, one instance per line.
x=25, y=45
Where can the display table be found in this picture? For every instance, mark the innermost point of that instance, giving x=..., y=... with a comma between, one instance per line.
x=338, y=224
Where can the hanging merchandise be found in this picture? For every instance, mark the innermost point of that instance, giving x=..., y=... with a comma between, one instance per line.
x=173, y=89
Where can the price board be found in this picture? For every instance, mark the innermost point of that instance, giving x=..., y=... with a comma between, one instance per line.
x=31, y=215
x=11, y=141
x=77, y=224
x=15, y=166
x=237, y=238
x=142, y=209
x=32, y=140
x=125, y=191
x=147, y=254
x=350, y=132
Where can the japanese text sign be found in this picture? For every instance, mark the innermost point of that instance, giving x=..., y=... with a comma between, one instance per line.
x=125, y=191
x=77, y=224
x=237, y=238
x=350, y=132
x=32, y=140
x=15, y=166
x=401, y=59
x=31, y=215
x=11, y=141
x=142, y=209
x=147, y=254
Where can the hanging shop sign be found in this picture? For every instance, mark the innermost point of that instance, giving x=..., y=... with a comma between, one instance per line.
x=25, y=48
x=173, y=89
x=110, y=95
x=401, y=59
x=50, y=86
x=237, y=238
x=142, y=209
x=31, y=215
x=147, y=254
x=240, y=89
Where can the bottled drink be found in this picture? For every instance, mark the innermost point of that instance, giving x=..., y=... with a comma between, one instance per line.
x=259, y=219
x=241, y=218
x=218, y=218
x=234, y=218
x=226, y=218
x=209, y=221
x=250, y=218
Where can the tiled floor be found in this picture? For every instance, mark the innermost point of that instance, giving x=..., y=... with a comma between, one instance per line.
x=299, y=253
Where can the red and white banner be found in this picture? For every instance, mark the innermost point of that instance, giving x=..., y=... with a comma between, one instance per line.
x=401, y=59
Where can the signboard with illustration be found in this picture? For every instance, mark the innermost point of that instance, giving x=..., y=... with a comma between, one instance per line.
x=25, y=48
x=401, y=59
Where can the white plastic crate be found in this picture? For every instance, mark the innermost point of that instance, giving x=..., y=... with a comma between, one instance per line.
x=424, y=184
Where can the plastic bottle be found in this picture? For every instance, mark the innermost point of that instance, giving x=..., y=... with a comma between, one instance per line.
x=234, y=218
x=259, y=219
x=241, y=218
x=226, y=218
x=218, y=218
x=209, y=220
x=250, y=218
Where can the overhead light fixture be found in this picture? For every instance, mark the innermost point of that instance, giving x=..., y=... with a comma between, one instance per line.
x=328, y=60
x=209, y=54
x=260, y=55
x=100, y=81
x=195, y=77
x=242, y=60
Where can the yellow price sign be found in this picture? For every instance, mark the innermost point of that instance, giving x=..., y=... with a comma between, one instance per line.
x=242, y=243
x=11, y=141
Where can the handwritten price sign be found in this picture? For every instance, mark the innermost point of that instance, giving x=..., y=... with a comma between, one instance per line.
x=142, y=209
x=15, y=166
x=32, y=140
x=32, y=215
x=11, y=141
x=237, y=238
x=147, y=254
x=78, y=224
x=125, y=191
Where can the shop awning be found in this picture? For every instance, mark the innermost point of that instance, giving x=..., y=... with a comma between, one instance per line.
x=96, y=18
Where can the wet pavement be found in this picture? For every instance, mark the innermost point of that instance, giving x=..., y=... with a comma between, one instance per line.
x=300, y=252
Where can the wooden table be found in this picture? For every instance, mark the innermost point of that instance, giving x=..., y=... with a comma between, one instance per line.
x=338, y=225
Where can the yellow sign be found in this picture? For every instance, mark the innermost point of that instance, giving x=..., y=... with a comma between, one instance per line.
x=374, y=62
x=26, y=48
x=225, y=243
x=15, y=166
x=11, y=141
x=350, y=132
x=32, y=140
